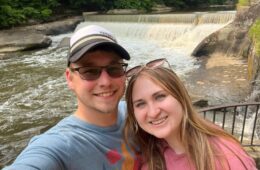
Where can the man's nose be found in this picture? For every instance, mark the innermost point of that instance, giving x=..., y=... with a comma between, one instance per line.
x=104, y=77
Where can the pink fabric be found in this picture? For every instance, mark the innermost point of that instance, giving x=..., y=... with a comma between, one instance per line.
x=180, y=162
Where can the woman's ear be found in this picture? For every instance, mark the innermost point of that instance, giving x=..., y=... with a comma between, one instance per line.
x=69, y=78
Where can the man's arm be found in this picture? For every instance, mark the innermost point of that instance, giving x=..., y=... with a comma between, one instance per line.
x=45, y=152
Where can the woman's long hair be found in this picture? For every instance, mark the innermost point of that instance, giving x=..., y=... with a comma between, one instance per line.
x=195, y=131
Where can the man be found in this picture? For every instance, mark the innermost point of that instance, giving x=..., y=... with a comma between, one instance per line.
x=91, y=138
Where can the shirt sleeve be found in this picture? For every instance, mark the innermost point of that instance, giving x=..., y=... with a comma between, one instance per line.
x=48, y=152
x=122, y=110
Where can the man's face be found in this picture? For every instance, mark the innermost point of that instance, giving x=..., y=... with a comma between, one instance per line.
x=101, y=95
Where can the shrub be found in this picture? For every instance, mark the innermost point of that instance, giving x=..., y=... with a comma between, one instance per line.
x=134, y=4
x=10, y=16
x=254, y=33
x=243, y=3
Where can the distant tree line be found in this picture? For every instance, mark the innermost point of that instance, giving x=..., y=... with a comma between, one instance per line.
x=16, y=12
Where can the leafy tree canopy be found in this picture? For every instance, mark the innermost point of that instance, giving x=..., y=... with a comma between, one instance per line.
x=16, y=12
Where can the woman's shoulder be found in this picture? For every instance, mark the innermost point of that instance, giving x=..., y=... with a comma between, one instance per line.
x=235, y=154
x=227, y=144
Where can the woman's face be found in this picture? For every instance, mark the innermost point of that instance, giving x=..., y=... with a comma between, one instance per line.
x=156, y=111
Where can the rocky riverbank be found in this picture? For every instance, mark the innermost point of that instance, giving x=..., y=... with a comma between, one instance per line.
x=34, y=36
x=219, y=80
x=233, y=43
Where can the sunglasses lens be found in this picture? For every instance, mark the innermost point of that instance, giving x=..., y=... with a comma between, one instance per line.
x=94, y=72
x=162, y=62
x=90, y=73
x=155, y=63
x=133, y=71
x=117, y=70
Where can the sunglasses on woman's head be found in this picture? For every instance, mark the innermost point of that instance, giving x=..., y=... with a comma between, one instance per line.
x=151, y=64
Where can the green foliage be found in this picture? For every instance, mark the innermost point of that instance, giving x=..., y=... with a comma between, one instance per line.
x=30, y=11
x=42, y=13
x=192, y=3
x=175, y=3
x=52, y=3
x=134, y=4
x=159, y=1
x=254, y=33
x=219, y=2
x=37, y=4
x=15, y=12
x=243, y=3
x=94, y=4
x=10, y=16
x=111, y=4
x=45, y=13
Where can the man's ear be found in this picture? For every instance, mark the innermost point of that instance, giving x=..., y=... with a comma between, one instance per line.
x=69, y=78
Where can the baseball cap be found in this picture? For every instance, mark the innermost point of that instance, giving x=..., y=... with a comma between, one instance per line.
x=88, y=37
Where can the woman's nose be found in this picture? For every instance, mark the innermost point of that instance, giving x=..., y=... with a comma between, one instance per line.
x=153, y=110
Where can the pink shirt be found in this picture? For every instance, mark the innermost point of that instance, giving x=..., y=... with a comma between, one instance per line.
x=180, y=161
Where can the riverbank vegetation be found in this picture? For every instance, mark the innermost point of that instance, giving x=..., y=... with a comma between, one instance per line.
x=18, y=12
x=243, y=3
x=254, y=33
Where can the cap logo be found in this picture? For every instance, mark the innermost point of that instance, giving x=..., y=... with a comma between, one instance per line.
x=90, y=39
x=108, y=35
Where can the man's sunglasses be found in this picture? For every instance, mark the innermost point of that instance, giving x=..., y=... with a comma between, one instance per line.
x=94, y=72
x=161, y=62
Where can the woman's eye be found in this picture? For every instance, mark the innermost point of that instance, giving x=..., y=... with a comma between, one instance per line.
x=139, y=105
x=160, y=97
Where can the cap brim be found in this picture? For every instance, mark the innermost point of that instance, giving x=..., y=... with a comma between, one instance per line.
x=117, y=48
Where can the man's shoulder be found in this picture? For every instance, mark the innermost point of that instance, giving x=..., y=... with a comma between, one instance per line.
x=61, y=135
x=122, y=108
x=122, y=104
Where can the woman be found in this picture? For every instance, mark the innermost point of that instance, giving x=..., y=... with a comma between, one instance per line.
x=167, y=129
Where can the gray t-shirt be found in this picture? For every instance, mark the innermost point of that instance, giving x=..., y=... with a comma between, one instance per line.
x=73, y=144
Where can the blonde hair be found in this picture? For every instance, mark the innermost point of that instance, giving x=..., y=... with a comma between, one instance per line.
x=201, y=152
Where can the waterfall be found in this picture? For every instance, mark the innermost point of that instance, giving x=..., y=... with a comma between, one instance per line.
x=181, y=32
x=189, y=18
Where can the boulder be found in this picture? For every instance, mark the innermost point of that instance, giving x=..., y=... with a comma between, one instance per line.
x=200, y=103
x=160, y=9
x=65, y=42
x=125, y=11
x=35, y=36
x=12, y=40
x=58, y=27
x=233, y=39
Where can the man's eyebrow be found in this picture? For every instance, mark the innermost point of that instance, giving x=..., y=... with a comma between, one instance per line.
x=90, y=63
x=116, y=61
